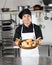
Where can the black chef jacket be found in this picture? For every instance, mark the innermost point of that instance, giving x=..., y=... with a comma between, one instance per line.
x=37, y=29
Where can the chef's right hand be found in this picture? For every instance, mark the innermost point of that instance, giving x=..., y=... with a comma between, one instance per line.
x=17, y=41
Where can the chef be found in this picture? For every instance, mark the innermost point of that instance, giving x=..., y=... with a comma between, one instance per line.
x=28, y=30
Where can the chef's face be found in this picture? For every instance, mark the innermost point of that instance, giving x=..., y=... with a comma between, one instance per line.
x=26, y=18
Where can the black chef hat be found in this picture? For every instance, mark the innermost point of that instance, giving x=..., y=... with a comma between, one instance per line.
x=24, y=11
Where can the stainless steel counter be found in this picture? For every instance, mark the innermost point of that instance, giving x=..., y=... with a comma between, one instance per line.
x=44, y=50
x=27, y=61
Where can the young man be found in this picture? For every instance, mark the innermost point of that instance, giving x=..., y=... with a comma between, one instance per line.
x=28, y=31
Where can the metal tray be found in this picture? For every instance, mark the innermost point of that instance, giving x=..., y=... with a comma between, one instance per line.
x=23, y=47
x=32, y=47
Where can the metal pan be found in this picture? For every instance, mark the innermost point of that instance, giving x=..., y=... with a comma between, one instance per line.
x=37, y=7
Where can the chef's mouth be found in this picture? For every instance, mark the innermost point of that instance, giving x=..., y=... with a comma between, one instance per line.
x=27, y=24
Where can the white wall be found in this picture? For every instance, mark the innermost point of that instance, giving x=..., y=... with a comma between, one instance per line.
x=47, y=31
x=14, y=3
x=8, y=3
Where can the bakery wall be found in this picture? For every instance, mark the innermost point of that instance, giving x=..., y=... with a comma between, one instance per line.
x=12, y=4
x=46, y=26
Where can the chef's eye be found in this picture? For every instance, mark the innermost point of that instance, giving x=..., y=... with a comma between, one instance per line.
x=24, y=16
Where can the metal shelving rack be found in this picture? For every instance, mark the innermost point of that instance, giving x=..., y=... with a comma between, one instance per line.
x=7, y=39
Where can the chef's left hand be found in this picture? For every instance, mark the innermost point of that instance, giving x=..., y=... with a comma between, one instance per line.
x=39, y=41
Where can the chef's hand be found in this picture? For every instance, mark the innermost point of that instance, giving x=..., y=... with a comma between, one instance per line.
x=17, y=41
x=39, y=41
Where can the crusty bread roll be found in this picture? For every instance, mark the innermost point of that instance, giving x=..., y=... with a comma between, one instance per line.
x=29, y=40
x=34, y=44
x=28, y=43
x=23, y=43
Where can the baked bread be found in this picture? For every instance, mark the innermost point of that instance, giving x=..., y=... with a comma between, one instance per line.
x=28, y=43
x=25, y=44
x=34, y=44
